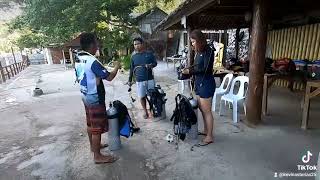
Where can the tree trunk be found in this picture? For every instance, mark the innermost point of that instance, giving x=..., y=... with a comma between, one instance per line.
x=257, y=61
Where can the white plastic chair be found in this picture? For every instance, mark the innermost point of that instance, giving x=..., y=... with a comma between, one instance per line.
x=234, y=98
x=221, y=90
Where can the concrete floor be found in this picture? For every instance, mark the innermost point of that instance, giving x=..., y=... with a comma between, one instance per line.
x=45, y=137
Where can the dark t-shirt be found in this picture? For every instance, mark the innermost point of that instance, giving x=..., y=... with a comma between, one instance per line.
x=141, y=59
x=204, y=63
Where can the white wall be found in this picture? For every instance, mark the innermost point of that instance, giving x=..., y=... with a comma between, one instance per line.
x=48, y=56
x=7, y=58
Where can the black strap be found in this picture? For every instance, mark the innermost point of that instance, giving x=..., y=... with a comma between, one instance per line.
x=176, y=109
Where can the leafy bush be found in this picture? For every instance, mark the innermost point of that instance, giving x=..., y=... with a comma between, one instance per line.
x=125, y=61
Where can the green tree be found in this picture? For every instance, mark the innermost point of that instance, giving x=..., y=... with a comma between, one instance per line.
x=56, y=21
x=28, y=39
x=166, y=5
x=7, y=39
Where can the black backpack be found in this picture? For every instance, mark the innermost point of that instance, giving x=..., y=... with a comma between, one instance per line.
x=156, y=98
x=126, y=127
x=183, y=116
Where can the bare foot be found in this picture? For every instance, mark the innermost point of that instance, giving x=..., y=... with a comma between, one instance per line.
x=100, y=159
x=208, y=139
x=101, y=146
x=146, y=116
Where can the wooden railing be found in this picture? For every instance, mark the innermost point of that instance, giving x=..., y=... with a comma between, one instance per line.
x=8, y=72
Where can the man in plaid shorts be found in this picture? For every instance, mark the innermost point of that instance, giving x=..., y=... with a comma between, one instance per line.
x=92, y=72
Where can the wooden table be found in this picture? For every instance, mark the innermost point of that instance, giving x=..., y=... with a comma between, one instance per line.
x=309, y=93
x=315, y=84
x=269, y=79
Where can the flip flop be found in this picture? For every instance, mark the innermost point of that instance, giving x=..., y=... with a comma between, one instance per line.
x=202, y=134
x=104, y=145
x=112, y=160
x=135, y=129
x=205, y=143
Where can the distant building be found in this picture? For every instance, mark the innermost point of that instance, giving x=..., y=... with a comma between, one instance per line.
x=148, y=21
x=156, y=41
x=60, y=53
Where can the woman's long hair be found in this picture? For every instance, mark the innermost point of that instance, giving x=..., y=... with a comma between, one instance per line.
x=200, y=38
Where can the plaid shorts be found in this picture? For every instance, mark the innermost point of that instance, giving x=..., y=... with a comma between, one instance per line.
x=96, y=115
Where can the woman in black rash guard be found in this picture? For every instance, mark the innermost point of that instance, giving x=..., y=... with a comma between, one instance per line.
x=204, y=82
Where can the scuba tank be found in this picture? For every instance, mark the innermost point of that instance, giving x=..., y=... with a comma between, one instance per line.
x=193, y=133
x=163, y=113
x=113, y=133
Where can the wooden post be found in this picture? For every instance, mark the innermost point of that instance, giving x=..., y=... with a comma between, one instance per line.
x=21, y=60
x=3, y=78
x=19, y=66
x=237, y=43
x=8, y=73
x=306, y=105
x=190, y=50
x=308, y=95
x=11, y=70
x=265, y=96
x=28, y=62
x=257, y=61
x=225, y=35
x=16, y=71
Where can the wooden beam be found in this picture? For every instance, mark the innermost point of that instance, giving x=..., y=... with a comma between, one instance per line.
x=314, y=93
x=257, y=61
x=217, y=11
x=314, y=83
x=186, y=10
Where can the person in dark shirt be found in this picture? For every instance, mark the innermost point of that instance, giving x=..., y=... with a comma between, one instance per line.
x=204, y=81
x=141, y=66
